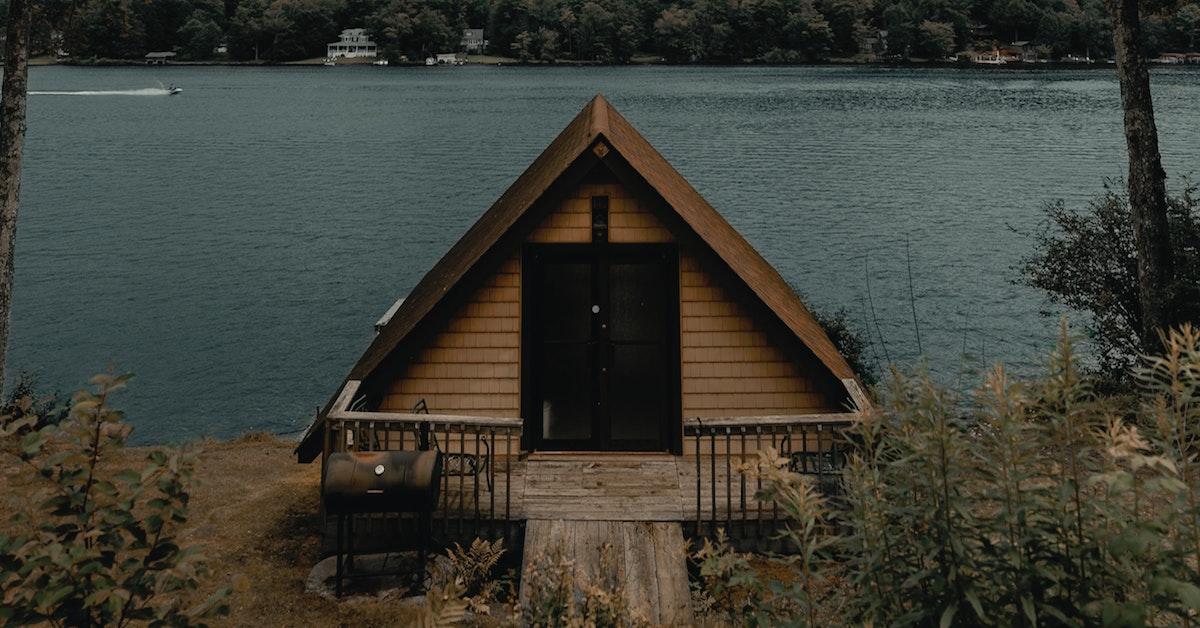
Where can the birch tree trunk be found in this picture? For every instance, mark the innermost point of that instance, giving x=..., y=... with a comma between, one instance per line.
x=1147, y=180
x=12, y=141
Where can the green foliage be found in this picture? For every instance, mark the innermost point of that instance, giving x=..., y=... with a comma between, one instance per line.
x=556, y=595
x=1041, y=506
x=609, y=31
x=25, y=400
x=471, y=571
x=445, y=606
x=97, y=545
x=109, y=29
x=849, y=341
x=1038, y=505
x=738, y=593
x=732, y=587
x=407, y=28
x=1085, y=260
x=202, y=34
x=935, y=39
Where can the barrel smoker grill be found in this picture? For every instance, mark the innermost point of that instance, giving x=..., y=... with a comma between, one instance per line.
x=379, y=482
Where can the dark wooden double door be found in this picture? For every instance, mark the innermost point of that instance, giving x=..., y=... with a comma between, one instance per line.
x=600, y=346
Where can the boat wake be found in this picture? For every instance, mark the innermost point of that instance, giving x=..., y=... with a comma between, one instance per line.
x=147, y=91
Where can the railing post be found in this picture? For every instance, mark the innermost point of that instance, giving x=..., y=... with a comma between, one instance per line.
x=728, y=483
x=507, y=479
x=492, y=482
x=462, y=473
x=820, y=459
x=758, y=486
x=742, y=458
x=712, y=465
x=445, y=486
x=475, y=476
x=699, y=426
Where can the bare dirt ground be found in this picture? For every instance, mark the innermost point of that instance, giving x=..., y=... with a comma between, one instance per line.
x=255, y=511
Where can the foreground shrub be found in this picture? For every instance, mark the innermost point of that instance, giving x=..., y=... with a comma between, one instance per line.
x=1085, y=260
x=472, y=570
x=96, y=545
x=1031, y=503
x=556, y=595
x=27, y=399
x=1042, y=504
x=733, y=588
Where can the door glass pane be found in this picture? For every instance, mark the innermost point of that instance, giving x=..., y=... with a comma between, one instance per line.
x=566, y=302
x=566, y=391
x=638, y=302
x=638, y=404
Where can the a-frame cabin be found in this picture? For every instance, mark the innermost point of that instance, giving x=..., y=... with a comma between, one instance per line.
x=601, y=306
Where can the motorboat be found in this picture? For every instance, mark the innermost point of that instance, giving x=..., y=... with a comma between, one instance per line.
x=172, y=90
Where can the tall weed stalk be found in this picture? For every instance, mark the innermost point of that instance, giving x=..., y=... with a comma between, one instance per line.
x=1033, y=503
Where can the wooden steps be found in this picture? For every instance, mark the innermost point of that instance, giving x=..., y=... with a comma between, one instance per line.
x=615, y=517
x=646, y=560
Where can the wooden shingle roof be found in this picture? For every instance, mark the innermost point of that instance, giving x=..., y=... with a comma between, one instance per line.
x=598, y=120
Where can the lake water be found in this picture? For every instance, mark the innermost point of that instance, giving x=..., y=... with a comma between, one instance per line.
x=233, y=246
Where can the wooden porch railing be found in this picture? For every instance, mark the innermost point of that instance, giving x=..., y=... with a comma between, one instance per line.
x=479, y=454
x=725, y=498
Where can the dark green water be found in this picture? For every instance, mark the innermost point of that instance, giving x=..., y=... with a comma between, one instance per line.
x=233, y=246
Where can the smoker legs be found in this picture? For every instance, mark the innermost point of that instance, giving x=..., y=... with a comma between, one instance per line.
x=345, y=560
x=338, y=577
x=344, y=546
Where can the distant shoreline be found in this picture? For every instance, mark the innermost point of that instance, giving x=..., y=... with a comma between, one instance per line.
x=495, y=62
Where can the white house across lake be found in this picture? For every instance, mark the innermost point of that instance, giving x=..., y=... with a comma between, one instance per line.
x=354, y=43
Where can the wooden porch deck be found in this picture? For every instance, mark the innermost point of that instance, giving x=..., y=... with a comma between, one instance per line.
x=489, y=489
x=613, y=487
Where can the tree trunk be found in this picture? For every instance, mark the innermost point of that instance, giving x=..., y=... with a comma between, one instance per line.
x=12, y=141
x=1147, y=180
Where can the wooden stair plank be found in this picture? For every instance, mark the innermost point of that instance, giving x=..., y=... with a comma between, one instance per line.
x=646, y=559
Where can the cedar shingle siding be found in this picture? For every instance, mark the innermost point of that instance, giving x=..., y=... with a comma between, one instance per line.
x=730, y=368
x=471, y=367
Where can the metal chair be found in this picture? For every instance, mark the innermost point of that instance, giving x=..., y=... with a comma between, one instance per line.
x=460, y=464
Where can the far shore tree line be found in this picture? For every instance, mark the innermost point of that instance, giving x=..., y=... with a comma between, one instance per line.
x=607, y=31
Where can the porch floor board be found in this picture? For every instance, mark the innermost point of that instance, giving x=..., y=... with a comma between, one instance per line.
x=602, y=488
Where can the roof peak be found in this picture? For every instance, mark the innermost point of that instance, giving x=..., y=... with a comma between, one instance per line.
x=597, y=110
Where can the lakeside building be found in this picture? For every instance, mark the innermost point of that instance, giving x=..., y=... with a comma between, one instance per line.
x=159, y=58
x=1016, y=52
x=1022, y=51
x=995, y=57
x=1177, y=58
x=875, y=46
x=353, y=42
x=593, y=359
x=472, y=41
